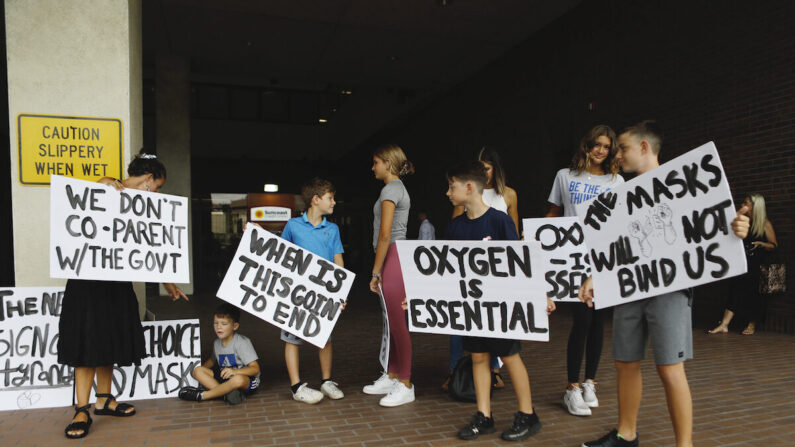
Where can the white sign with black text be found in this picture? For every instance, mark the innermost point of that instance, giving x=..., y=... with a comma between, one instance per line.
x=97, y=232
x=285, y=285
x=478, y=288
x=566, y=255
x=663, y=231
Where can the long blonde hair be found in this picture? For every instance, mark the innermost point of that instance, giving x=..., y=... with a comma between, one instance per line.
x=581, y=162
x=399, y=165
x=759, y=215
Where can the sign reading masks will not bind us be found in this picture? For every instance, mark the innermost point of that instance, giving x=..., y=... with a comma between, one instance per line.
x=97, y=232
x=286, y=286
x=490, y=289
x=663, y=231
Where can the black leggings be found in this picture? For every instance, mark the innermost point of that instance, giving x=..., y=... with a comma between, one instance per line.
x=586, y=337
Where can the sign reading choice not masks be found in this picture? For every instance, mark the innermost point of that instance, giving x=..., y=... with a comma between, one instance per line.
x=285, y=285
x=97, y=232
x=31, y=377
x=478, y=288
x=663, y=231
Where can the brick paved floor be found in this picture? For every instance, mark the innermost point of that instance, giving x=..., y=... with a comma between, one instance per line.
x=742, y=387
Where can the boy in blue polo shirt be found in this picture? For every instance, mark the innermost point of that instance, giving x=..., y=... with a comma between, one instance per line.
x=313, y=232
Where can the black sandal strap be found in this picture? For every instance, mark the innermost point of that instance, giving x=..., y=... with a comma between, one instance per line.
x=122, y=407
x=83, y=409
x=108, y=399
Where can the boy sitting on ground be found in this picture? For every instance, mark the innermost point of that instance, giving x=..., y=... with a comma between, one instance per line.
x=232, y=372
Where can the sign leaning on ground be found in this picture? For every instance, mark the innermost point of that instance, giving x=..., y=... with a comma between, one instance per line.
x=78, y=147
x=97, y=232
x=285, y=285
x=566, y=262
x=663, y=231
x=31, y=377
x=479, y=288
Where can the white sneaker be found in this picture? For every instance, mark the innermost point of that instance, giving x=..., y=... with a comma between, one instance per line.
x=331, y=389
x=573, y=402
x=400, y=394
x=589, y=394
x=381, y=386
x=307, y=395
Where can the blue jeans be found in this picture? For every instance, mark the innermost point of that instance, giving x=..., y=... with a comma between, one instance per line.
x=457, y=350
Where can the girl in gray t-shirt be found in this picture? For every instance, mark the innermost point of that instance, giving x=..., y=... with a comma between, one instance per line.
x=390, y=217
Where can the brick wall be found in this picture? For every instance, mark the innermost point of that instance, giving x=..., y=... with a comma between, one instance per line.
x=721, y=71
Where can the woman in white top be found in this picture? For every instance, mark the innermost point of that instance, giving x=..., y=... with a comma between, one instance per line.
x=593, y=170
x=497, y=195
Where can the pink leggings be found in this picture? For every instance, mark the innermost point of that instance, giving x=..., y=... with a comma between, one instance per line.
x=394, y=294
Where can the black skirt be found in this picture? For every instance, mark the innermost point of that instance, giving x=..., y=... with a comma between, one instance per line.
x=100, y=325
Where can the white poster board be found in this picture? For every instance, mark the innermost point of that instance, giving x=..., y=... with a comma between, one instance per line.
x=30, y=376
x=566, y=262
x=285, y=285
x=666, y=230
x=97, y=232
x=383, y=356
x=478, y=288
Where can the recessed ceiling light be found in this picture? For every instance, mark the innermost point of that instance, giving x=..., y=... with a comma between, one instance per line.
x=271, y=187
x=322, y=120
x=346, y=92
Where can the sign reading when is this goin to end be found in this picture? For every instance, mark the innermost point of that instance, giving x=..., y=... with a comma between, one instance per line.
x=85, y=148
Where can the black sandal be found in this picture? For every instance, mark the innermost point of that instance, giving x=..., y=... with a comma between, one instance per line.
x=84, y=426
x=119, y=411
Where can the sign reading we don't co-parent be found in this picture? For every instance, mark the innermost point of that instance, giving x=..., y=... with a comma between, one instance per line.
x=97, y=232
x=663, y=231
x=31, y=377
x=286, y=286
x=477, y=288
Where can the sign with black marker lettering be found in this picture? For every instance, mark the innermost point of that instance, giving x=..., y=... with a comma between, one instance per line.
x=87, y=148
x=566, y=255
x=285, y=285
x=478, y=288
x=97, y=232
x=663, y=231
x=31, y=377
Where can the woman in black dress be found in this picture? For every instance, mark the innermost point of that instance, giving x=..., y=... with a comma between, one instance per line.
x=744, y=297
x=99, y=324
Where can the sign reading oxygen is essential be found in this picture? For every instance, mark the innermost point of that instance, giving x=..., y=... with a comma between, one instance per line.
x=566, y=256
x=31, y=377
x=478, y=288
x=286, y=286
x=663, y=231
x=78, y=147
x=97, y=232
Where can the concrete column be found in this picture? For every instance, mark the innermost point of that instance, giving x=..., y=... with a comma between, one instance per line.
x=172, y=108
x=76, y=58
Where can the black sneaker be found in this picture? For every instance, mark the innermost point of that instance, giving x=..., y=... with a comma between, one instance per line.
x=190, y=393
x=480, y=425
x=612, y=440
x=524, y=426
x=234, y=397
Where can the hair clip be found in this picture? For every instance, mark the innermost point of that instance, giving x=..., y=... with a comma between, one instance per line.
x=148, y=156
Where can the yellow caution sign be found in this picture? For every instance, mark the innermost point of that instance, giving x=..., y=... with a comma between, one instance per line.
x=79, y=147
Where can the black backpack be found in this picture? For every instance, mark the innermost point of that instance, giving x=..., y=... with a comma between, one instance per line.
x=462, y=385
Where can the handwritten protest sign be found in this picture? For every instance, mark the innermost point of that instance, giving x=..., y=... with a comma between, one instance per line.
x=97, y=232
x=383, y=356
x=566, y=256
x=285, y=285
x=478, y=288
x=31, y=377
x=172, y=352
x=663, y=231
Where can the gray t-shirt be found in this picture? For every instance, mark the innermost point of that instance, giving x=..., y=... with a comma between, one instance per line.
x=570, y=190
x=396, y=193
x=237, y=354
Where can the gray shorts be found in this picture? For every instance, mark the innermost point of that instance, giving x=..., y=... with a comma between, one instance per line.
x=665, y=319
x=293, y=340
